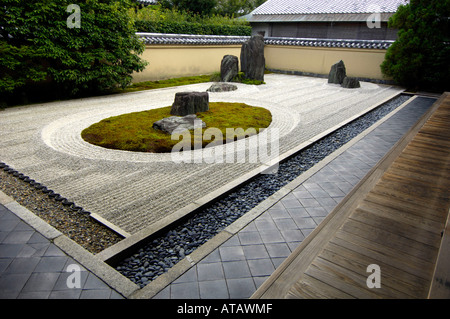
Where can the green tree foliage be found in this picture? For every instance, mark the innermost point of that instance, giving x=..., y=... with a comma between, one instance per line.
x=235, y=8
x=163, y=20
x=420, y=57
x=202, y=7
x=40, y=53
x=230, y=8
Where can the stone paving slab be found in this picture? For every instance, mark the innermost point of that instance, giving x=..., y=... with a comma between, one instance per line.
x=33, y=267
x=132, y=191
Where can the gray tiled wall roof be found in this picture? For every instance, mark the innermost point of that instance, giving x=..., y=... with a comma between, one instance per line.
x=147, y=2
x=330, y=43
x=185, y=39
x=163, y=38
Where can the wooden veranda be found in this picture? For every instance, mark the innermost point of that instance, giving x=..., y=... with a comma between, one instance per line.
x=396, y=218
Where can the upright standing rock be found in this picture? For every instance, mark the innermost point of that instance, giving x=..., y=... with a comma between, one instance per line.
x=229, y=68
x=337, y=73
x=190, y=103
x=252, y=58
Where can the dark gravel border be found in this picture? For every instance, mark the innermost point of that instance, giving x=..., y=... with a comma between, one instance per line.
x=157, y=257
x=70, y=220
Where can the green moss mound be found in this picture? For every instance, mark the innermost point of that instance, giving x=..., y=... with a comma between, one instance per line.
x=134, y=131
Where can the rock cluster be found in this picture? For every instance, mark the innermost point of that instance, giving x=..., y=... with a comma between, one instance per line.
x=338, y=75
x=184, y=109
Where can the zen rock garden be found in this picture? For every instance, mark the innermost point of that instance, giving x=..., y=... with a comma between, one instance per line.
x=338, y=75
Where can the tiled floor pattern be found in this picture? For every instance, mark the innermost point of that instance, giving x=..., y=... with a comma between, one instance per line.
x=32, y=267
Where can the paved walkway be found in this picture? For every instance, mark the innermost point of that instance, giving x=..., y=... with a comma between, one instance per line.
x=33, y=266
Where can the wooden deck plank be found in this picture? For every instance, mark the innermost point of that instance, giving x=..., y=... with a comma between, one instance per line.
x=413, y=185
x=399, y=227
x=403, y=215
x=393, y=236
x=405, y=178
x=404, y=283
x=422, y=160
x=437, y=148
x=406, y=196
x=358, y=264
x=393, y=218
x=311, y=288
x=397, y=204
x=395, y=258
x=420, y=173
x=416, y=151
x=340, y=278
x=433, y=140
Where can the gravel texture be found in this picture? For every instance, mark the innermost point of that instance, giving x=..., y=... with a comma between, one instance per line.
x=164, y=252
x=74, y=223
x=134, y=190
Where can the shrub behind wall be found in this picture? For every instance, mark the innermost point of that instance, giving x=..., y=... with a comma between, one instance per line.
x=191, y=28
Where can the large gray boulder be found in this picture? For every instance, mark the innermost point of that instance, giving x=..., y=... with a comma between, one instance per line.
x=350, y=83
x=337, y=73
x=229, y=68
x=252, y=58
x=222, y=87
x=178, y=124
x=190, y=103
